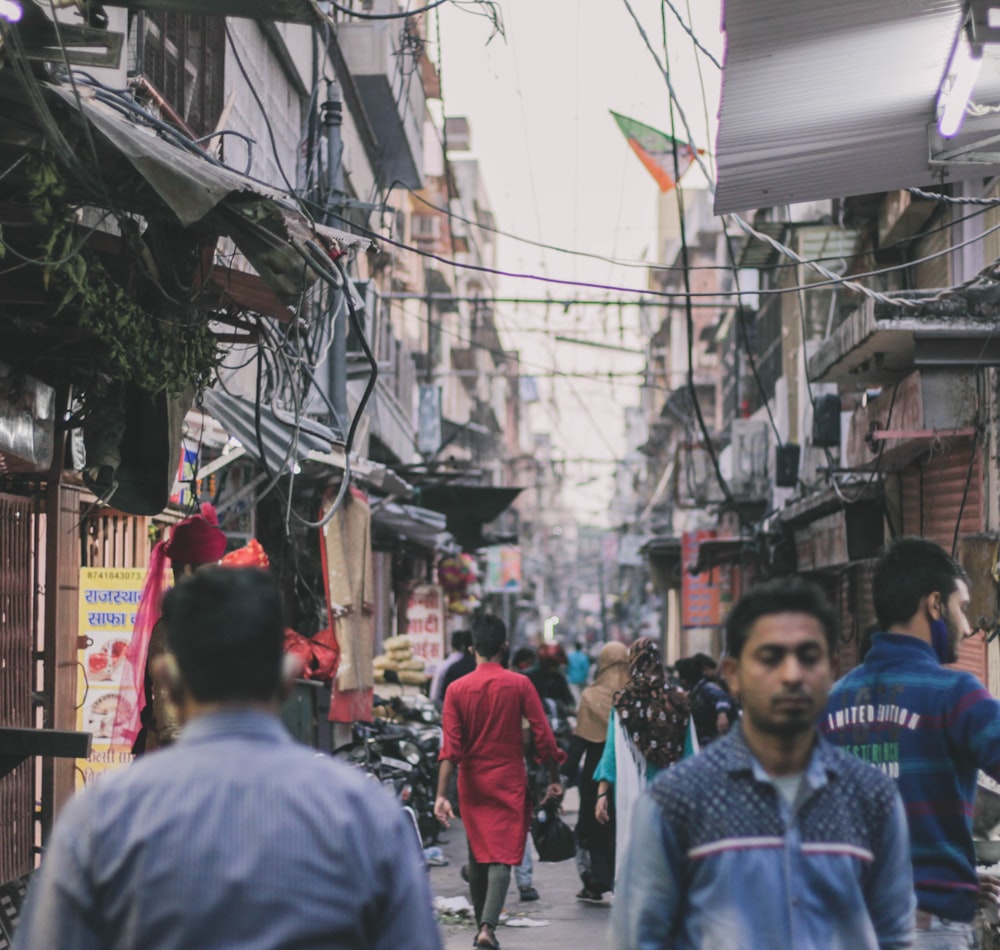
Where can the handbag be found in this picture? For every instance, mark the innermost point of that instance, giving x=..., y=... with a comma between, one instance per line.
x=554, y=839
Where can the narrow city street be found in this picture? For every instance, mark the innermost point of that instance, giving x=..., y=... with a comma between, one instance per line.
x=555, y=922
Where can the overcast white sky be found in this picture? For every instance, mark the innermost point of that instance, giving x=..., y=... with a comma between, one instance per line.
x=559, y=171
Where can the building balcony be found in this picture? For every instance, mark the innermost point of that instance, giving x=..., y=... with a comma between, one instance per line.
x=386, y=70
x=878, y=344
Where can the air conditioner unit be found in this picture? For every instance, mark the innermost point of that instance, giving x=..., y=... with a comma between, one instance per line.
x=426, y=227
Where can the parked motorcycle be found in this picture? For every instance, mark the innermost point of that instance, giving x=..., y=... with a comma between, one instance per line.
x=402, y=757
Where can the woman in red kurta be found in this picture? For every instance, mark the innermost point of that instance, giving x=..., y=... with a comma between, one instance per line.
x=482, y=722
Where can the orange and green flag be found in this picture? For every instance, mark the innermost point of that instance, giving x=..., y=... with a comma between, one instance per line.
x=656, y=150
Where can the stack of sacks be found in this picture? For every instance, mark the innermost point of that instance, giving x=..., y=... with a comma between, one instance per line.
x=399, y=656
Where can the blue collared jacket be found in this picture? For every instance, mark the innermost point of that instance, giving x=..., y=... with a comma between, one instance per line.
x=719, y=859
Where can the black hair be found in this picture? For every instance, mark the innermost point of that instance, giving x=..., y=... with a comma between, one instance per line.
x=226, y=629
x=781, y=596
x=909, y=570
x=523, y=655
x=488, y=635
x=688, y=671
x=461, y=640
x=707, y=663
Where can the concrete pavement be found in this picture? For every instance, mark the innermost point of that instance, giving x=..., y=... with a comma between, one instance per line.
x=572, y=925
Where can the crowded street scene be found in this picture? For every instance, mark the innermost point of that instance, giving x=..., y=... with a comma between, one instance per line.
x=509, y=472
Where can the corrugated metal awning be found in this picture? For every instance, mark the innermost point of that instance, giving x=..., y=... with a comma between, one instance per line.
x=830, y=98
x=282, y=442
x=273, y=235
x=412, y=524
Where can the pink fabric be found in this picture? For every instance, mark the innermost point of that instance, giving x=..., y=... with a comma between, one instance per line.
x=132, y=692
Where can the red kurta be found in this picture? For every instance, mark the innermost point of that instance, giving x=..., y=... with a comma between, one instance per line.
x=482, y=736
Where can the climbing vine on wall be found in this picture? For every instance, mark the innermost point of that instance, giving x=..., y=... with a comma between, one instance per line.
x=157, y=352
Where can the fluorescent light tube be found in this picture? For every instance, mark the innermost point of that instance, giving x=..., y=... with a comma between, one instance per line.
x=957, y=85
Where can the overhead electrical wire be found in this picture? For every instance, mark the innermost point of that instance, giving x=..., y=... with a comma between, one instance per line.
x=647, y=265
x=694, y=39
x=833, y=279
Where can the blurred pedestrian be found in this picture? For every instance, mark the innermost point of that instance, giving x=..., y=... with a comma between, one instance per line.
x=929, y=727
x=550, y=679
x=524, y=659
x=577, y=669
x=645, y=735
x=713, y=708
x=595, y=857
x=461, y=643
x=236, y=835
x=464, y=665
x=482, y=719
x=771, y=837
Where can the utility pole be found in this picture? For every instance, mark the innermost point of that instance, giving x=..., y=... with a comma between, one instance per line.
x=333, y=118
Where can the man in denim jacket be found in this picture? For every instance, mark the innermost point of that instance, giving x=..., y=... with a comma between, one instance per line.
x=771, y=837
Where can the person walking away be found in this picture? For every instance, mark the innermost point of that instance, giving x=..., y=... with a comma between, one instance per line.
x=577, y=670
x=928, y=727
x=771, y=837
x=524, y=659
x=550, y=680
x=464, y=665
x=645, y=735
x=595, y=855
x=713, y=709
x=461, y=643
x=236, y=835
x=482, y=736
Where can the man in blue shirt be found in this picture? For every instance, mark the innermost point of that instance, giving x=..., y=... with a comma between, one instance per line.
x=770, y=837
x=235, y=836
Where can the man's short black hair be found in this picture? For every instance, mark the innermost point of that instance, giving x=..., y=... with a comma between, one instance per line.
x=488, y=635
x=688, y=670
x=225, y=627
x=781, y=596
x=909, y=570
x=523, y=656
x=461, y=640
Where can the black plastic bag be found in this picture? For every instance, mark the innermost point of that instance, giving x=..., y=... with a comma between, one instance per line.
x=554, y=839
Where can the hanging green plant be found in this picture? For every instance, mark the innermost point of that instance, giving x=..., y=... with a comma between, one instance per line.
x=156, y=351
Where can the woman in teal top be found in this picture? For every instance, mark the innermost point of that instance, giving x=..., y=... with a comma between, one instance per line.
x=645, y=735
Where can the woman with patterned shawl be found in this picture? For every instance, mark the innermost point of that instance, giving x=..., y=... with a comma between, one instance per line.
x=645, y=735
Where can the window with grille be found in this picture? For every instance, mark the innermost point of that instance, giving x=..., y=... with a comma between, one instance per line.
x=182, y=57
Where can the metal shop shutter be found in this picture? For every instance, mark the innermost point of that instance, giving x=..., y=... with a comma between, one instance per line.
x=933, y=489
x=854, y=600
x=17, y=674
